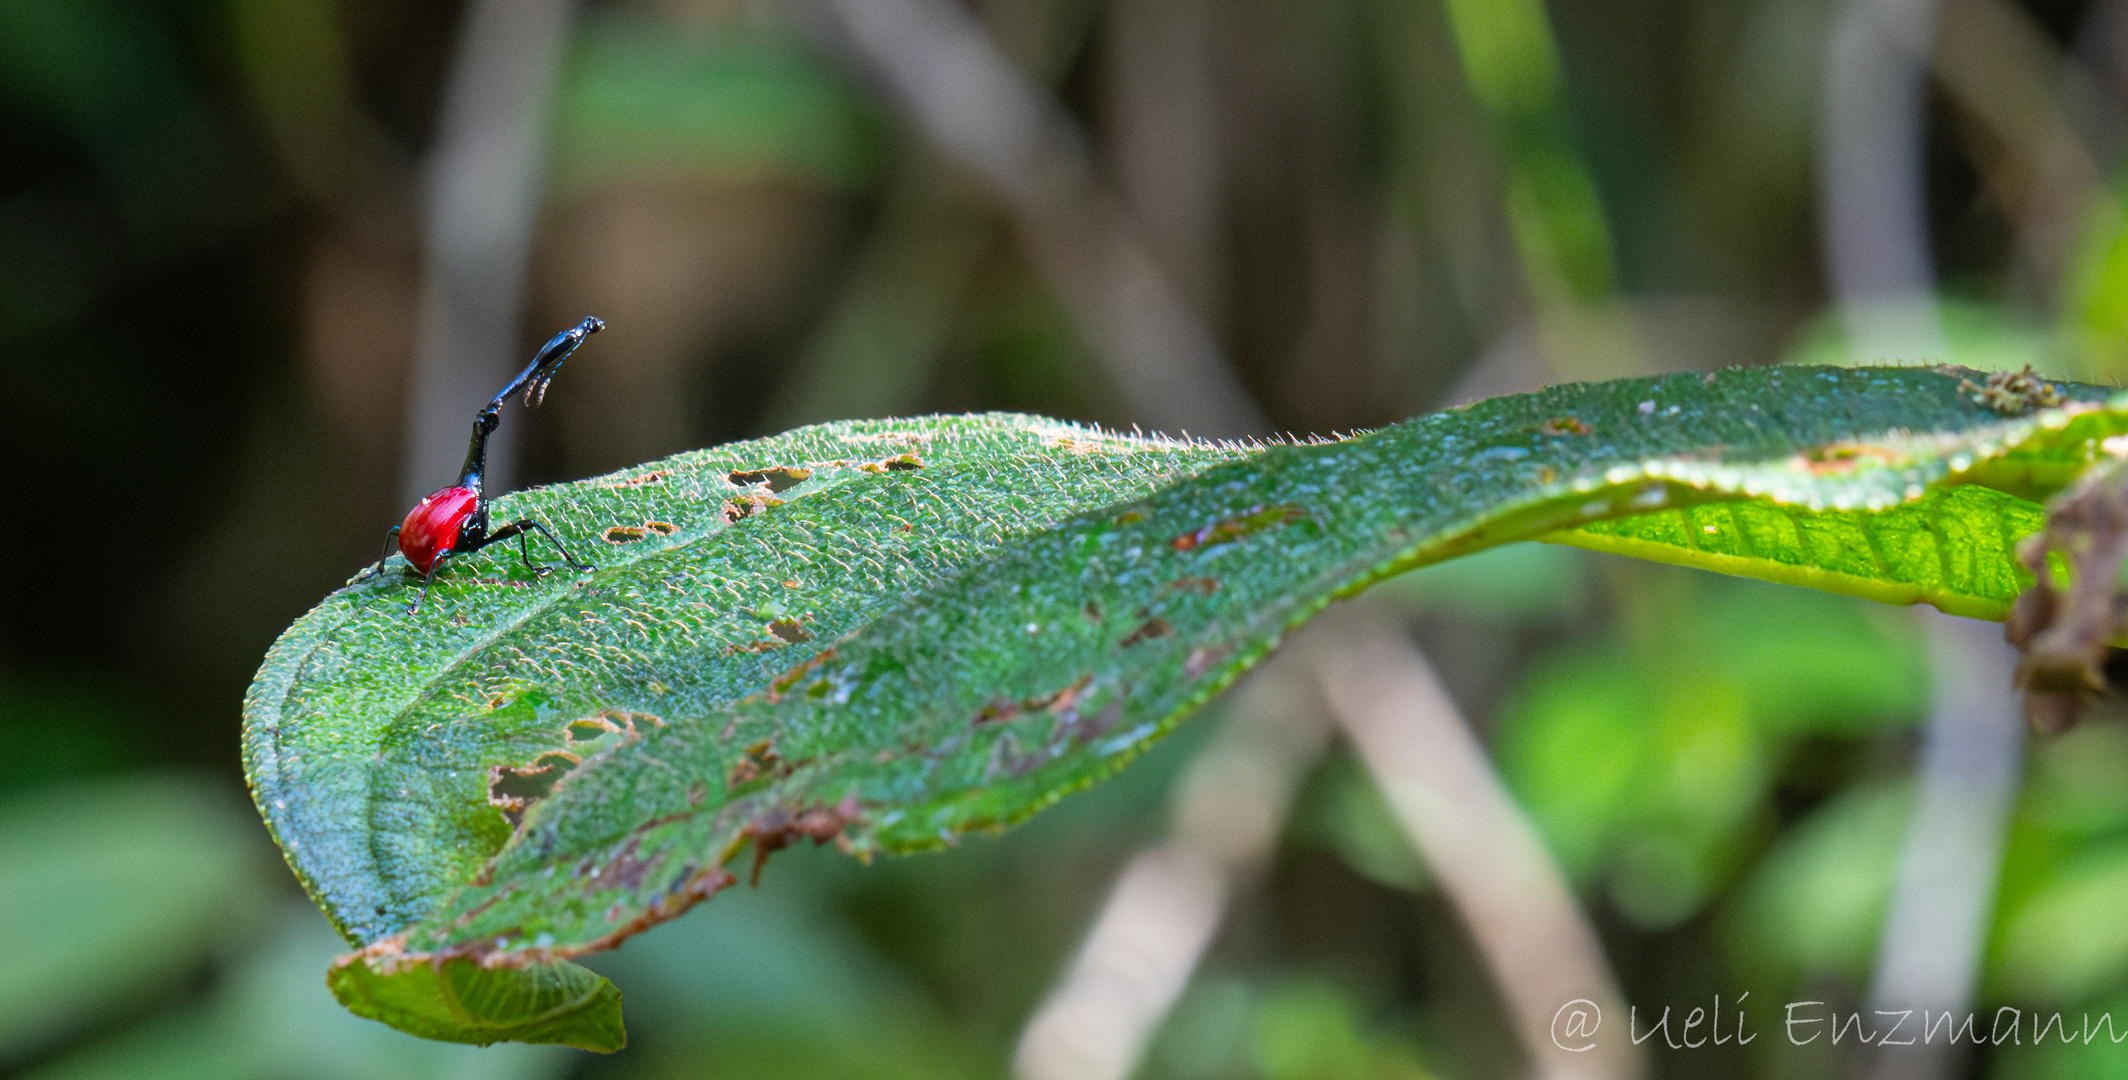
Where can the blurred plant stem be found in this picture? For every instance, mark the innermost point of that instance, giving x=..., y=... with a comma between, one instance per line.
x=951, y=81
x=481, y=202
x=1876, y=245
x=1555, y=213
x=1936, y=927
x=1874, y=212
x=1228, y=811
x=1162, y=123
x=1442, y=788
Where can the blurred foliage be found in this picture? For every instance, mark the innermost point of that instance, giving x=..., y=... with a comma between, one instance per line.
x=641, y=101
x=208, y=269
x=1649, y=762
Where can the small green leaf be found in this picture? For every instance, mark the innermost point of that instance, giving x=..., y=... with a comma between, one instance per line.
x=888, y=634
x=460, y=1001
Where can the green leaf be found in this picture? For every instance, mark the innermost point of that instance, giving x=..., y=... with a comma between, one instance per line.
x=459, y=1001
x=891, y=633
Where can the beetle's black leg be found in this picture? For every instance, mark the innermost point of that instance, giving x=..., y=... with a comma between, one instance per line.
x=518, y=530
x=391, y=540
x=585, y=567
x=523, y=528
x=426, y=579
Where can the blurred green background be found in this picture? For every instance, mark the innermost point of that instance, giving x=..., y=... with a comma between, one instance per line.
x=211, y=294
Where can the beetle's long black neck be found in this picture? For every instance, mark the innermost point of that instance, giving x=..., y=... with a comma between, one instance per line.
x=476, y=456
x=533, y=381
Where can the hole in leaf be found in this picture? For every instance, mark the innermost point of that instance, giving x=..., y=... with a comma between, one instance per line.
x=777, y=479
x=656, y=476
x=513, y=789
x=743, y=507
x=902, y=463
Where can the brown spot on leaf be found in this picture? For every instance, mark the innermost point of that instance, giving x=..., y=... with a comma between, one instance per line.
x=779, y=479
x=997, y=711
x=1060, y=700
x=1077, y=727
x=1253, y=520
x=779, y=827
x=784, y=682
x=1565, y=425
x=629, y=534
x=757, y=761
x=1129, y=516
x=1202, y=586
x=1056, y=701
x=763, y=645
x=610, y=722
x=790, y=630
x=1148, y=630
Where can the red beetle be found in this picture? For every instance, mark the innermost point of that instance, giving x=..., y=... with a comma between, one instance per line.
x=454, y=520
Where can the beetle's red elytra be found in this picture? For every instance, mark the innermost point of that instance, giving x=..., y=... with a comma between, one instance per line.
x=432, y=527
